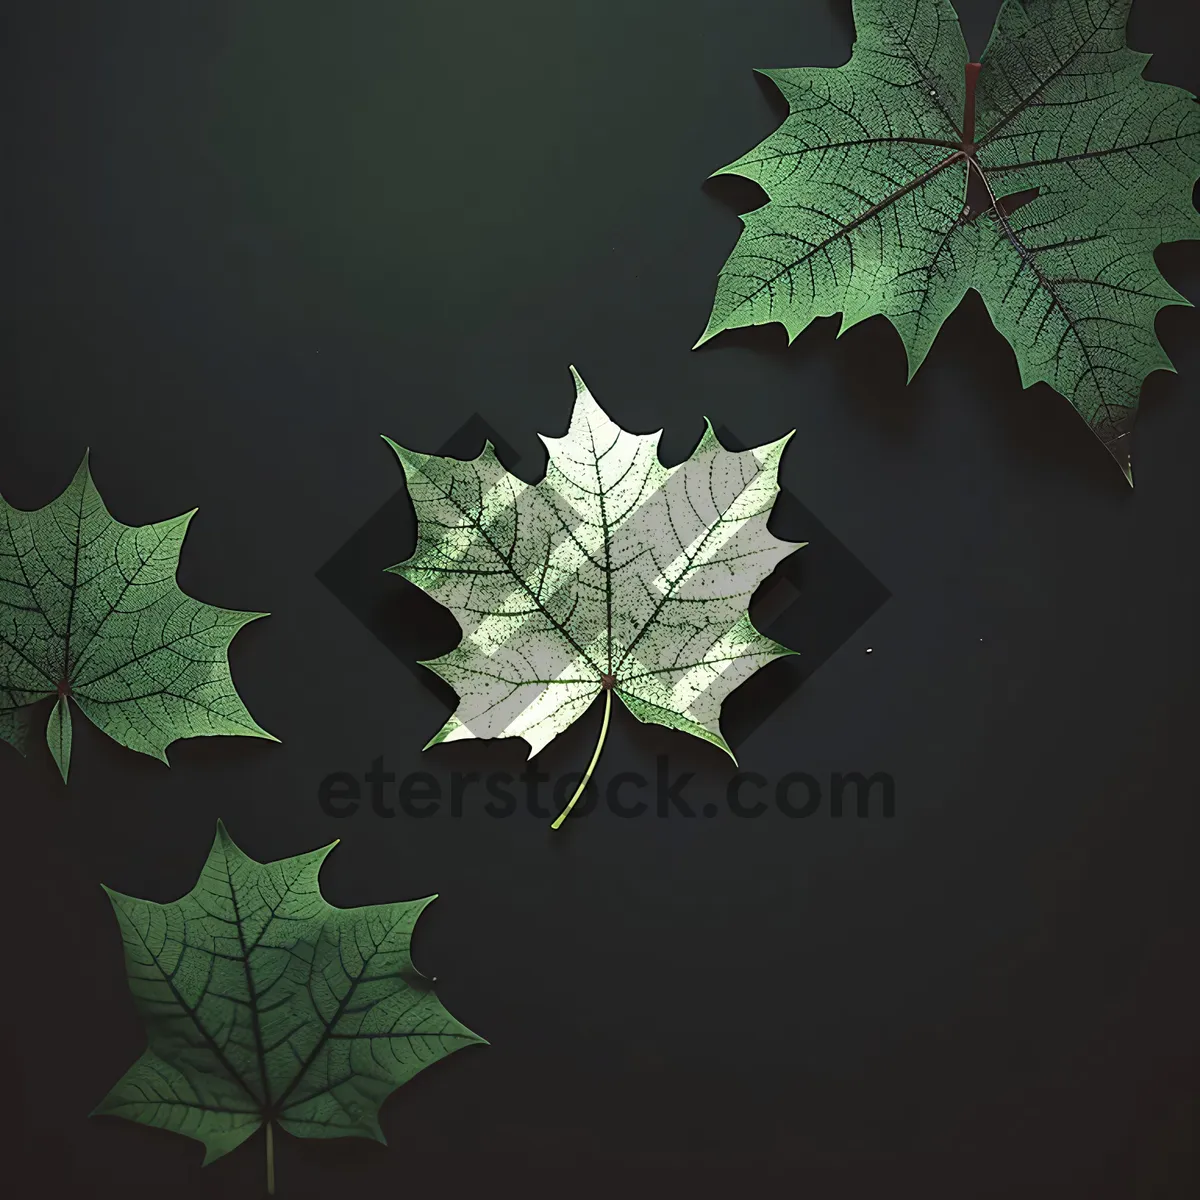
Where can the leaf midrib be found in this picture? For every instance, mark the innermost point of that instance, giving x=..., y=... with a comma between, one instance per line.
x=1041, y=87
x=66, y=666
x=251, y=994
x=477, y=524
x=846, y=230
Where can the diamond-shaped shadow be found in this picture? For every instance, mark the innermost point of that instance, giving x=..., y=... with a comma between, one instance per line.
x=814, y=601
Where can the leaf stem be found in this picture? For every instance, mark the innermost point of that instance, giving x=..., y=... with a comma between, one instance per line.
x=968, y=130
x=270, y=1161
x=562, y=816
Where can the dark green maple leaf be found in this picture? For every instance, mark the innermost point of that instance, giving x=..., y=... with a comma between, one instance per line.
x=1083, y=167
x=90, y=612
x=265, y=1005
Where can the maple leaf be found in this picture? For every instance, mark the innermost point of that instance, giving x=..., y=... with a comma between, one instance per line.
x=90, y=613
x=265, y=1005
x=868, y=178
x=613, y=575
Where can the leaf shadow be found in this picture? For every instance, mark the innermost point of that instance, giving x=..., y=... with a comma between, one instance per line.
x=740, y=194
x=416, y=629
x=842, y=12
x=765, y=691
x=776, y=100
x=1176, y=325
x=1036, y=424
x=475, y=755
x=219, y=755
x=871, y=368
x=1180, y=264
x=95, y=754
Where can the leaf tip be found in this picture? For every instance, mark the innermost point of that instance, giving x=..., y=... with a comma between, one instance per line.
x=399, y=451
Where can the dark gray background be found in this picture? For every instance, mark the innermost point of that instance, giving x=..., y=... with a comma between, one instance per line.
x=243, y=239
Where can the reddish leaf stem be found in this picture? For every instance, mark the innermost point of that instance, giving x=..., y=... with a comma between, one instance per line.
x=969, y=109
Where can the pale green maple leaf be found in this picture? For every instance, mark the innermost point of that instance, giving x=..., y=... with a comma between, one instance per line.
x=90, y=613
x=867, y=181
x=613, y=575
x=265, y=1005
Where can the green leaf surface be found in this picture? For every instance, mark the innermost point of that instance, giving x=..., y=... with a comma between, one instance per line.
x=264, y=1003
x=90, y=614
x=614, y=574
x=1083, y=166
